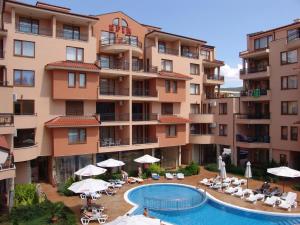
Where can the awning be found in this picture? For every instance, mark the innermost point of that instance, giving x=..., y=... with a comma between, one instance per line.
x=73, y=121
x=174, y=76
x=70, y=65
x=172, y=119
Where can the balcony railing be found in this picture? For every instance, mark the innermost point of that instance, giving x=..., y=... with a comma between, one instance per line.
x=254, y=92
x=256, y=69
x=114, y=92
x=122, y=41
x=115, y=65
x=71, y=36
x=170, y=51
x=192, y=55
x=143, y=92
x=144, y=140
x=152, y=69
x=25, y=143
x=253, y=139
x=6, y=119
x=144, y=116
x=111, y=117
x=137, y=66
x=27, y=28
x=112, y=142
x=4, y=83
x=255, y=116
x=215, y=77
x=197, y=132
x=293, y=36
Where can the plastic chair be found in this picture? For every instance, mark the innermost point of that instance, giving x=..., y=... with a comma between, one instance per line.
x=85, y=221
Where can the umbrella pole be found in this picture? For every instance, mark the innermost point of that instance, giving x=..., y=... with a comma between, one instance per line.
x=247, y=183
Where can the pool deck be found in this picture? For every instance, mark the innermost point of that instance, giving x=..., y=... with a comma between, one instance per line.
x=116, y=205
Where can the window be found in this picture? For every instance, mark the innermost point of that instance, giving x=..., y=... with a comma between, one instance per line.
x=82, y=80
x=74, y=54
x=77, y=135
x=167, y=108
x=168, y=86
x=162, y=47
x=71, y=79
x=294, y=133
x=74, y=108
x=194, y=69
x=24, y=138
x=262, y=42
x=24, y=78
x=293, y=34
x=167, y=65
x=104, y=60
x=71, y=32
x=289, y=108
x=24, y=107
x=171, y=85
x=289, y=57
x=194, y=89
x=171, y=131
x=124, y=23
x=283, y=160
x=222, y=108
x=116, y=21
x=222, y=130
x=107, y=38
x=284, y=132
x=174, y=86
x=28, y=25
x=195, y=108
x=131, y=40
x=205, y=54
x=289, y=82
x=24, y=48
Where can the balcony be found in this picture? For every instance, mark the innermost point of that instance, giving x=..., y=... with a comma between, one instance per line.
x=26, y=152
x=114, y=117
x=7, y=171
x=117, y=45
x=23, y=121
x=104, y=91
x=202, y=118
x=169, y=51
x=253, y=118
x=190, y=54
x=197, y=138
x=29, y=29
x=144, y=93
x=258, y=53
x=213, y=79
x=255, y=72
x=64, y=34
x=115, y=65
x=144, y=140
x=212, y=63
x=144, y=117
x=6, y=123
x=255, y=95
x=293, y=40
x=261, y=141
x=113, y=142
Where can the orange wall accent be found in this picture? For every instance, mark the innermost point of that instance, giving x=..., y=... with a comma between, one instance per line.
x=165, y=141
x=171, y=97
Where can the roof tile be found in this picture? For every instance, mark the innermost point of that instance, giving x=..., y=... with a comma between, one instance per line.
x=75, y=65
x=173, y=119
x=73, y=121
x=172, y=75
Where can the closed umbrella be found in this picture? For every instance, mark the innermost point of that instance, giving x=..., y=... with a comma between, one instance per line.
x=147, y=159
x=89, y=185
x=248, y=172
x=223, y=172
x=90, y=170
x=220, y=160
x=135, y=220
x=284, y=171
x=110, y=163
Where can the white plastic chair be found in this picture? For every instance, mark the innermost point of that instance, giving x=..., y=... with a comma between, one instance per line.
x=85, y=221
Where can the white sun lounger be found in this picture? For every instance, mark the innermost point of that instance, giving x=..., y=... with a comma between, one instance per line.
x=271, y=201
x=231, y=190
x=239, y=193
x=180, y=176
x=169, y=176
x=205, y=181
x=254, y=198
x=289, y=202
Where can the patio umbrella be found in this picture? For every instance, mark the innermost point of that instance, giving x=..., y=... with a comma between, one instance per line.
x=223, y=172
x=220, y=160
x=89, y=185
x=90, y=170
x=284, y=171
x=248, y=172
x=111, y=163
x=147, y=159
x=134, y=220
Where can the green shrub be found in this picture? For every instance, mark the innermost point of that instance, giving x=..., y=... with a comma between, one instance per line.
x=108, y=176
x=191, y=169
x=296, y=187
x=25, y=195
x=235, y=169
x=154, y=168
x=211, y=167
x=63, y=187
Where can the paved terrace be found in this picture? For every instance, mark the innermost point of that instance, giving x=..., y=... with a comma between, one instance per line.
x=116, y=205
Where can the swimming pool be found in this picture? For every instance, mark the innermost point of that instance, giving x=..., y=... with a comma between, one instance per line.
x=205, y=211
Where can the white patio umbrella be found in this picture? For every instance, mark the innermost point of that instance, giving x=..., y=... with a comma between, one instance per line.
x=284, y=171
x=134, y=220
x=147, y=159
x=110, y=163
x=220, y=160
x=248, y=172
x=89, y=185
x=3, y=156
x=223, y=172
x=90, y=170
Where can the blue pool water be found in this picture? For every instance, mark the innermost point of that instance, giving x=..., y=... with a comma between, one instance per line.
x=208, y=213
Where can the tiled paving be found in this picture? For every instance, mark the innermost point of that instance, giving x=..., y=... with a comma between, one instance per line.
x=116, y=205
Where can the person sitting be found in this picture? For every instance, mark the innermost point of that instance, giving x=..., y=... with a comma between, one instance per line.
x=124, y=175
x=265, y=186
x=146, y=213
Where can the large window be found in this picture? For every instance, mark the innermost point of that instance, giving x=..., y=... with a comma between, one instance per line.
x=289, y=57
x=294, y=133
x=262, y=42
x=194, y=89
x=116, y=21
x=131, y=40
x=171, y=131
x=167, y=65
x=195, y=108
x=75, y=54
x=194, y=69
x=171, y=85
x=289, y=108
x=24, y=107
x=24, y=48
x=74, y=108
x=289, y=82
x=28, y=25
x=107, y=38
x=24, y=138
x=77, y=135
x=71, y=80
x=222, y=130
x=293, y=34
x=162, y=47
x=284, y=132
x=71, y=32
x=124, y=23
x=82, y=80
x=205, y=54
x=24, y=78
x=222, y=108
x=167, y=108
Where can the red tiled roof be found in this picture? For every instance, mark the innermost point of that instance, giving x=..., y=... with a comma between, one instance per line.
x=172, y=75
x=173, y=119
x=73, y=121
x=3, y=142
x=73, y=65
x=215, y=61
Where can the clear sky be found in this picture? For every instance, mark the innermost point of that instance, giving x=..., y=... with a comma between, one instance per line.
x=222, y=23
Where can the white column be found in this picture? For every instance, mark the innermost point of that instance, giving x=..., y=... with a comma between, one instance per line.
x=179, y=155
x=153, y=152
x=89, y=31
x=13, y=18
x=271, y=155
x=179, y=47
x=130, y=94
x=54, y=26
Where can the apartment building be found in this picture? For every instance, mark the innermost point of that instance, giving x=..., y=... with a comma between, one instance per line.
x=266, y=128
x=78, y=89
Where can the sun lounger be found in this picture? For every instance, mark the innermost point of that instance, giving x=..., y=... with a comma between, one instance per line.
x=137, y=179
x=238, y=182
x=169, y=176
x=109, y=191
x=275, y=191
x=289, y=202
x=205, y=181
x=271, y=201
x=265, y=186
x=180, y=176
x=239, y=193
x=155, y=176
x=131, y=180
x=231, y=190
x=255, y=197
x=227, y=180
x=98, y=216
x=217, y=185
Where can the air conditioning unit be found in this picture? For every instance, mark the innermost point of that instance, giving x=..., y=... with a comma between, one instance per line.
x=213, y=125
x=15, y=97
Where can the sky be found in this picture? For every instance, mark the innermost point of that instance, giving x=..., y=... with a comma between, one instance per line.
x=222, y=23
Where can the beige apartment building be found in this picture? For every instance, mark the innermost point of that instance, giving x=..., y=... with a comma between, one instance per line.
x=266, y=127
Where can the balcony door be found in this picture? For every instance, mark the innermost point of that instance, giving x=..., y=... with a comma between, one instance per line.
x=140, y=134
x=140, y=87
x=107, y=134
x=140, y=111
x=106, y=111
x=107, y=86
